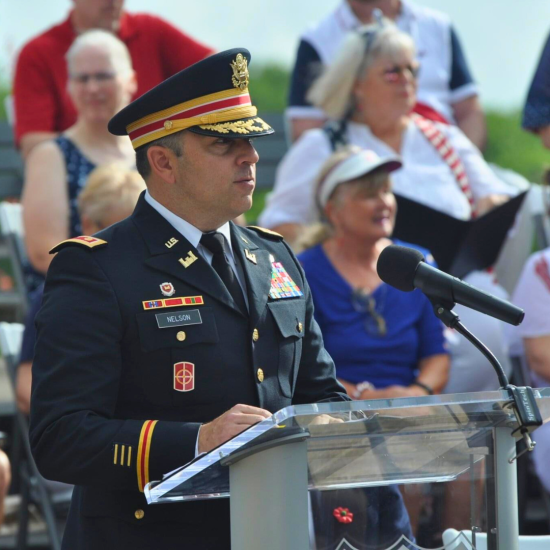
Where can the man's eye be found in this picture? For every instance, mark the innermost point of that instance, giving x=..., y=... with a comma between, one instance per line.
x=222, y=141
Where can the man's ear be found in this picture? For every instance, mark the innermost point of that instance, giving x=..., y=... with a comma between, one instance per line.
x=163, y=163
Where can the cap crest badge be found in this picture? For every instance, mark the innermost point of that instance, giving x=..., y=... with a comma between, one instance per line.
x=167, y=289
x=240, y=72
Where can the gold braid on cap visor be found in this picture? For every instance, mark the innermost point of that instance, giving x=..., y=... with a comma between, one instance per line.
x=224, y=106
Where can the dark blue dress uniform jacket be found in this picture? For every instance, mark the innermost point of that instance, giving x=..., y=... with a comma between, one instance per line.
x=105, y=415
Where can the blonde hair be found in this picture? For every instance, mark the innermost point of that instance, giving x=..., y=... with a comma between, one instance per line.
x=109, y=188
x=320, y=231
x=332, y=91
x=106, y=41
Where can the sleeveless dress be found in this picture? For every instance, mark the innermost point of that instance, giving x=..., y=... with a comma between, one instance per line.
x=78, y=169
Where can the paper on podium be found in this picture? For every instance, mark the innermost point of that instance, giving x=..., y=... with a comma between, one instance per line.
x=458, y=246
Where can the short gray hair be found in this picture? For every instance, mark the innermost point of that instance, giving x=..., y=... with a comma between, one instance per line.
x=117, y=50
x=332, y=91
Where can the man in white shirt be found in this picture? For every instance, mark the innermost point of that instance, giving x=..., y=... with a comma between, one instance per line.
x=445, y=85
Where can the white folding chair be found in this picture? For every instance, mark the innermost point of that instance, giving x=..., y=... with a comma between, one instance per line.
x=33, y=485
x=11, y=227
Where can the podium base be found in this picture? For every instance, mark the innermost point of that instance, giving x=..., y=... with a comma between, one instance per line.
x=259, y=483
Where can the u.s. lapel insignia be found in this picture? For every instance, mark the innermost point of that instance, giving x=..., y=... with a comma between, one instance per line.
x=171, y=242
x=184, y=376
x=167, y=289
x=189, y=259
x=282, y=286
x=250, y=257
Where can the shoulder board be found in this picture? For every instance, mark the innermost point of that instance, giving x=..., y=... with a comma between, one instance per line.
x=86, y=242
x=267, y=232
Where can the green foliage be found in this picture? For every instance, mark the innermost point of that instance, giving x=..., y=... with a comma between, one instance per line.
x=269, y=87
x=4, y=92
x=258, y=205
x=512, y=147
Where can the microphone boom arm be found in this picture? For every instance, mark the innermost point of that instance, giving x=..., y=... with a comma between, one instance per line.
x=523, y=400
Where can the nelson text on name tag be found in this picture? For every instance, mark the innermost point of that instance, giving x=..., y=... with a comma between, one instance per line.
x=179, y=318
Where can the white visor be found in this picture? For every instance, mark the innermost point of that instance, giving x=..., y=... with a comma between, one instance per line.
x=353, y=167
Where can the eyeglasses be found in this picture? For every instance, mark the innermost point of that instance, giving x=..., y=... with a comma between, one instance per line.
x=363, y=302
x=393, y=74
x=100, y=78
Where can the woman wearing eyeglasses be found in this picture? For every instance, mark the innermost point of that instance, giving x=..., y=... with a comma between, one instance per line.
x=369, y=92
x=101, y=82
x=384, y=342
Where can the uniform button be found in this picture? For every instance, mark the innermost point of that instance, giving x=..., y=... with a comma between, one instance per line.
x=139, y=514
x=255, y=335
x=181, y=336
x=300, y=327
x=260, y=374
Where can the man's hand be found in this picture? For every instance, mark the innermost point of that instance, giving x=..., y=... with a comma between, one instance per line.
x=228, y=425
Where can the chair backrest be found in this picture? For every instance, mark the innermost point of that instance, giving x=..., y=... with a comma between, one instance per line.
x=11, y=164
x=11, y=338
x=453, y=539
x=521, y=374
x=12, y=232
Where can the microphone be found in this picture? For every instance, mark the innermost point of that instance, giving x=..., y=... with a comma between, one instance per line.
x=405, y=269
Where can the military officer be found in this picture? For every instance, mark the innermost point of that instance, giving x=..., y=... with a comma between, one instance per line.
x=173, y=330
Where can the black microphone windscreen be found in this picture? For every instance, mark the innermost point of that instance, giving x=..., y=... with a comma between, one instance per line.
x=397, y=266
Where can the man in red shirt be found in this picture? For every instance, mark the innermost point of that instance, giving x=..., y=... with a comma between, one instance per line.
x=42, y=105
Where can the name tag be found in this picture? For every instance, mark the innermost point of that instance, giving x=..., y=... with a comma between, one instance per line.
x=179, y=318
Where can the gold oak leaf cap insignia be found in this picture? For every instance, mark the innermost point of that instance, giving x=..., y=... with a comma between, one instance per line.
x=82, y=241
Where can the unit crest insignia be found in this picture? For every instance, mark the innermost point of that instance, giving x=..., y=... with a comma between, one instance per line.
x=240, y=72
x=167, y=289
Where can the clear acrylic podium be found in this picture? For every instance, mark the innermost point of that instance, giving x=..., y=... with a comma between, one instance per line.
x=267, y=470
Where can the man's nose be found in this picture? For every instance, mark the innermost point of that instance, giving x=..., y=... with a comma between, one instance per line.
x=248, y=153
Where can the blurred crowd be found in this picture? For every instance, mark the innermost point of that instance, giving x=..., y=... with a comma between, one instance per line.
x=382, y=107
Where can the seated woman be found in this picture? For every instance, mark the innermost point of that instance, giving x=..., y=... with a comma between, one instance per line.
x=101, y=82
x=385, y=343
x=110, y=195
x=369, y=93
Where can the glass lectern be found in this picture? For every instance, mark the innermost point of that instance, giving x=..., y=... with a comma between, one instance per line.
x=267, y=470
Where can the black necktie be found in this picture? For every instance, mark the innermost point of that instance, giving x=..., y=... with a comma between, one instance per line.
x=215, y=242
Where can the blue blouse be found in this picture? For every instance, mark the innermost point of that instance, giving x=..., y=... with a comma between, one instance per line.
x=536, y=113
x=350, y=332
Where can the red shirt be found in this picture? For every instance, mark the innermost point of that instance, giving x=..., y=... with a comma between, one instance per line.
x=42, y=103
